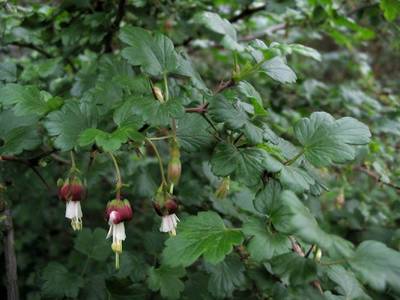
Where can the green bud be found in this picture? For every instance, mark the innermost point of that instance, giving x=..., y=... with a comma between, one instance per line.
x=223, y=188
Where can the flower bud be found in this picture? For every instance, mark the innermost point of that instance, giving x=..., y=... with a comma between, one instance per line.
x=318, y=255
x=122, y=209
x=340, y=200
x=158, y=94
x=174, y=170
x=71, y=190
x=174, y=165
x=223, y=188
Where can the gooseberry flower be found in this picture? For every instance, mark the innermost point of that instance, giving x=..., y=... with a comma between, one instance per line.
x=72, y=192
x=169, y=220
x=117, y=212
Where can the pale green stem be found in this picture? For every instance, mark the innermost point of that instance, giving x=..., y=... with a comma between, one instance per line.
x=160, y=163
x=118, y=175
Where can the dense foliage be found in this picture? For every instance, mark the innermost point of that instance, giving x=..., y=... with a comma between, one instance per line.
x=267, y=131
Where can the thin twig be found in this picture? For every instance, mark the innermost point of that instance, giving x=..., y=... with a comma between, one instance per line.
x=118, y=184
x=31, y=46
x=60, y=159
x=377, y=177
x=247, y=12
x=268, y=31
x=10, y=257
x=160, y=162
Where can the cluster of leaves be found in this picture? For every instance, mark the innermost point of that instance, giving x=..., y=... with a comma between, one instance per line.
x=310, y=212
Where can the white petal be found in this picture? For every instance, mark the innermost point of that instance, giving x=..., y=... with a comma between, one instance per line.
x=120, y=231
x=78, y=209
x=70, y=210
x=169, y=223
x=73, y=210
x=109, y=231
x=112, y=217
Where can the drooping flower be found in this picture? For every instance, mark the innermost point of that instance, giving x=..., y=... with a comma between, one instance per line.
x=72, y=192
x=169, y=220
x=117, y=212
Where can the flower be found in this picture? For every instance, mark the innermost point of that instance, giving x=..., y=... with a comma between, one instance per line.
x=117, y=212
x=72, y=192
x=73, y=212
x=169, y=220
x=169, y=223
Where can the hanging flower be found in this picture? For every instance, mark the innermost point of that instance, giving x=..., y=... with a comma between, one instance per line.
x=169, y=220
x=117, y=212
x=72, y=192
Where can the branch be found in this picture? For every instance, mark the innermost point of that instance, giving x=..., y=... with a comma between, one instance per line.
x=10, y=258
x=31, y=163
x=266, y=32
x=60, y=159
x=115, y=26
x=247, y=12
x=377, y=177
x=31, y=46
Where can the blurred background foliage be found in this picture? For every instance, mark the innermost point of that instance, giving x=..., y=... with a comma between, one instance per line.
x=71, y=49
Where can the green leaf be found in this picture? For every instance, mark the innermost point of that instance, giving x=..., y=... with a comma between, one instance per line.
x=377, y=265
x=18, y=133
x=226, y=276
x=193, y=132
x=251, y=93
x=27, y=99
x=94, y=288
x=8, y=71
x=294, y=269
x=69, y=122
x=268, y=198
x=109, y=141
x=222, y=27
x=196, y=287
x=245, y=164
x=155, y=54
x=93, y=244
x=234, y=116
x=157, y=113
x=264, y=244
x=348, y=285
x=290, y=216
x=124, y=116
x=60, y=282
x=204, y=234
x=326, y=140
x=132, y=266
x=278, y=70
x=166, y=280
x=391, y=9
x=186, y=68
x=306, y=51
x=295, y=179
